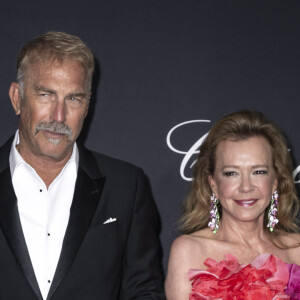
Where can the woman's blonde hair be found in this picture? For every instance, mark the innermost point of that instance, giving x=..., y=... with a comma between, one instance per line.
x=237, y=126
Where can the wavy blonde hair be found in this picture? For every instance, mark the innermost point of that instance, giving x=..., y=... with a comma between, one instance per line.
x=237, y=126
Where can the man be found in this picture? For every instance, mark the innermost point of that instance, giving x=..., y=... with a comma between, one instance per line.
x=74, y=224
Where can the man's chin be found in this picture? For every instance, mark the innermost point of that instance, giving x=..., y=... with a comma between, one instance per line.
x=56, y=149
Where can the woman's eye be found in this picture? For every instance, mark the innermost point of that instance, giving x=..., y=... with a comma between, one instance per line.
x=229, y=173
x=261, y=172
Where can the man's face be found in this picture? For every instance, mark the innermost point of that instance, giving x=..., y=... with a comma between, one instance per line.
x=52, y=108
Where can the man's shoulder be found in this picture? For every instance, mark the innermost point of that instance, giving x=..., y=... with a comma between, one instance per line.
x=4, y=153
x=5, y=148
x=111, y=161
x=109, y=165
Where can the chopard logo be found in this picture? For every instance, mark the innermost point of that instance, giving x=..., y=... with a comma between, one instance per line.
x=295, y=174
x=189, y=155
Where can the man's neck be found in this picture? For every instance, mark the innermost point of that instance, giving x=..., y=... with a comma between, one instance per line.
x=47, y=168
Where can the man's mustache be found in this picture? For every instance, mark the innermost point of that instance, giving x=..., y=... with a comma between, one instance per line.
x=54, y=127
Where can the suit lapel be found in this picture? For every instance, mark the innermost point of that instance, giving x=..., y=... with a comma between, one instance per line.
x=12, y=229
x=88, y=188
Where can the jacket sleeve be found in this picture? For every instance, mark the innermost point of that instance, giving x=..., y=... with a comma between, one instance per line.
x=142, y=271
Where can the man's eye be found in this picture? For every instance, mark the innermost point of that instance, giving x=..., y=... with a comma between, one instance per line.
x=229, y=173
x=74, y=99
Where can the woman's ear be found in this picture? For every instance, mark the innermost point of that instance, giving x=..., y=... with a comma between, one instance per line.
x=275, y=185
x=15, y=97
x=212, y=184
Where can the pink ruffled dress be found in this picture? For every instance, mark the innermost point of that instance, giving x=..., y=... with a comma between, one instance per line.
x=267, y=277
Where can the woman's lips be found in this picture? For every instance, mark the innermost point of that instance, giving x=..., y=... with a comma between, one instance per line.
x=246, y=202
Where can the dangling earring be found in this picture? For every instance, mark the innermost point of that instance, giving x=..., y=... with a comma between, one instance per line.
x=272, y=214
x=214, y=214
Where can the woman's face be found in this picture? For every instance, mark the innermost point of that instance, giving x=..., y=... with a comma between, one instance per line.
x=244, y=178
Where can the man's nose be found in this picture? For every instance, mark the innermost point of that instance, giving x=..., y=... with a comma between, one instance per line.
x=58, y=111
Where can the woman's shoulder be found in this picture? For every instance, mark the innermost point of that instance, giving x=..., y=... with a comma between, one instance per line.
x=190, y=241
x=291, y=240
x=184, y=244
x=190, y=247
x=188, y=251
x=183, y=256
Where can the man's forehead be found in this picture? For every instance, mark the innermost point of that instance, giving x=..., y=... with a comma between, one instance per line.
x=40, y=71
x=53, y=63
x=43, y=71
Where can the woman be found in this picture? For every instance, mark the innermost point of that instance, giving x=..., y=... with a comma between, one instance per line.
x=242, y=208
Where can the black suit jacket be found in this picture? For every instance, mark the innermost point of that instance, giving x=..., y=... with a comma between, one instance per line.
x=118, y=260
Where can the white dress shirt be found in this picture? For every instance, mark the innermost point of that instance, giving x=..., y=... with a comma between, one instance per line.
x=44, y=213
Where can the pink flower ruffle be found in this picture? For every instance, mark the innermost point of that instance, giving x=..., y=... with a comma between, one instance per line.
x=293, y=286
x=266, y=278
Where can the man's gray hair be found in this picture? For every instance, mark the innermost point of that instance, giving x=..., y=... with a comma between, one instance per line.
x=54, y=46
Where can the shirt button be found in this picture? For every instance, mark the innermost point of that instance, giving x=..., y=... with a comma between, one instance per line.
x=41, y=190
x=49, y=281
x=48, y=234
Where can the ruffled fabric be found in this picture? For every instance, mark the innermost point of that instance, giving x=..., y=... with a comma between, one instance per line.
x=293, y=286
x=265, y=278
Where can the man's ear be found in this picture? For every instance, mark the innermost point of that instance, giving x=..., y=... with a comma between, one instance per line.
x=87, y=108
x=15, y=97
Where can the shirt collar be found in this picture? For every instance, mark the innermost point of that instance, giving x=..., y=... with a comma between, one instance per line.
x=16, y=159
